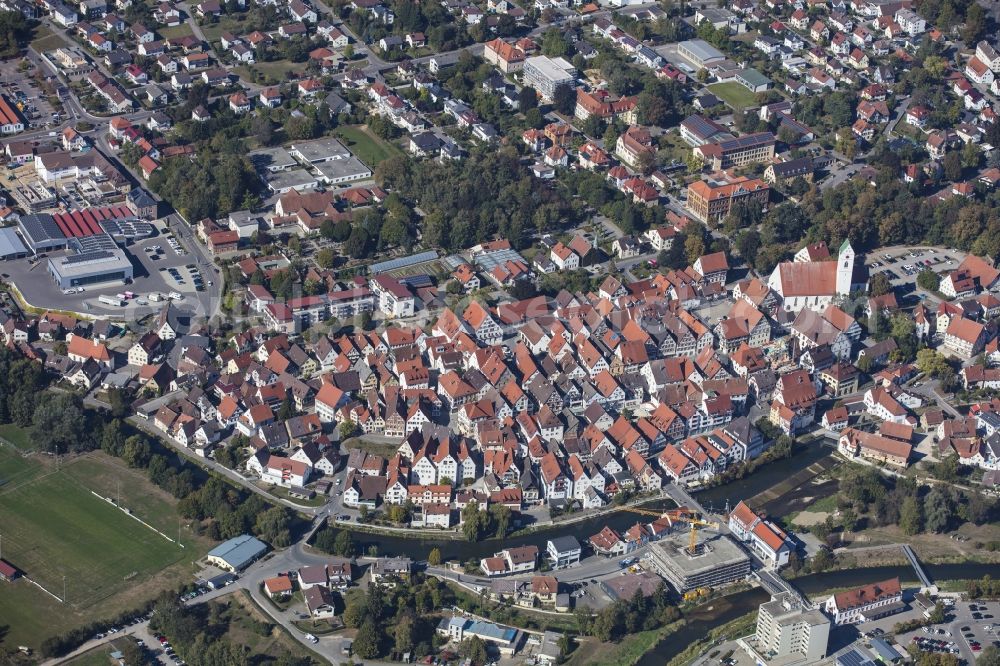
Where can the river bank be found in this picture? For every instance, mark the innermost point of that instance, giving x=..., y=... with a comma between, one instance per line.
x=584, y=524
x=702, y=620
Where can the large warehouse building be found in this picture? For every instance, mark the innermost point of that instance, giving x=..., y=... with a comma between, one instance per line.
x=700, y=52
x=238, y=553
x=43, y=232
x=93, y=259
x=11, y=246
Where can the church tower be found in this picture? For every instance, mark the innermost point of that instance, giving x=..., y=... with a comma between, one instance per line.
x=845, y=268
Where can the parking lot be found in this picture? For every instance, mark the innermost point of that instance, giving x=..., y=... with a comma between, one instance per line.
x=969, y=629
x=154, y=273
x=20, y=87
x=902, y=265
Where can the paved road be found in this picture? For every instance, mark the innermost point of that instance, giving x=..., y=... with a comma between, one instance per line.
x=150, y=429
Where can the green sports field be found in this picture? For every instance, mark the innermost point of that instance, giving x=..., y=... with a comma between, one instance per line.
x=53, y=527
x=733, y=94
x=368, y=148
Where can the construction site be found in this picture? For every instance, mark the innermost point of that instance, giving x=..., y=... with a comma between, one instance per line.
x=715, y=560
x=693, y=554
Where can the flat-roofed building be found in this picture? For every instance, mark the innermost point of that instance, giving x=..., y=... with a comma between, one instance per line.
x=753, y=80
x=91, y=264
x=546, y=75
x=717, y=561
x=788, y=632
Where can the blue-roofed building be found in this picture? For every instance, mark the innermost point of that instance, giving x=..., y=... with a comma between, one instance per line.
x=506, y=640
x=885, y=652
x=238, y=553
x=11, y=246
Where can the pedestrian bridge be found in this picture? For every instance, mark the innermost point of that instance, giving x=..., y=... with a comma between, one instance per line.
x=925, y=582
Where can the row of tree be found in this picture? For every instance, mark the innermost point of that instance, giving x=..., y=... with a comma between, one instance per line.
x=867, y=498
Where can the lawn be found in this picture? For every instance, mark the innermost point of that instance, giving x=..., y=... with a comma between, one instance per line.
x=244, y=618
x=54, y=528
x=366, y=146
x=276, y=70
x=15, y=469
x=46, y=40
x=734, y=94
x=16, y=435
x=175, y=31
x=99, y=656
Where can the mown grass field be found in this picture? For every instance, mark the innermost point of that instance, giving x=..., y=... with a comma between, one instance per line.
x=45, y=40
x=733, y=94
x=366, y=146
x=17, y=436
x=53, y=527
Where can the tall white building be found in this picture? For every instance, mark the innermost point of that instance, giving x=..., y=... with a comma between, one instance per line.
x=788, y=632
x=546, y=75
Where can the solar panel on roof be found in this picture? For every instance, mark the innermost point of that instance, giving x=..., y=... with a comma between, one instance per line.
x=747, y=141
x=403, y=262
x=87, y=256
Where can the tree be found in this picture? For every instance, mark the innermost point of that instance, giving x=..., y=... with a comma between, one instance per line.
x=502, y=515
x=879, y=285
x=694, y=244
x=326, y=257
x=474, y=521
x=475, y=650
x=927, y=280
x=937, y=510
x=434, y=557
x=404, y=635
x=555, y=45
x=952, y=165
x=348, y=429
x=527, y=99
x=990, y=656
x=14, y=33
x=564, y=100
x=136, y=452
x=911, y=520
x=367, y=641
x=933, y=363
x=344, y=546
x=847, y=144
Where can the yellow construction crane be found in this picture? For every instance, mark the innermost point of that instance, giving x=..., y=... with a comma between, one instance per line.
x=681, y=515
x=693, y=538
x=645, y=512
